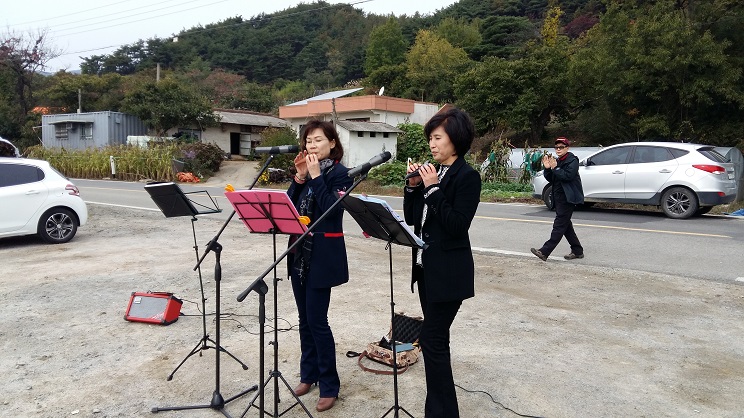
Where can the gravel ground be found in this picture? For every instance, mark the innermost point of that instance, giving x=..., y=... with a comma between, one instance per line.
x=544, y=341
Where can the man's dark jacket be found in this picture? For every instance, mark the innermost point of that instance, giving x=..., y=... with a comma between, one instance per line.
x=567, y=173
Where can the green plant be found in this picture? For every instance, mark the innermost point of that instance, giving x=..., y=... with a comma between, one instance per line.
x=202, y=159
x=498, y=167
x=273, y=137
x=412, y=143
x=392, y=173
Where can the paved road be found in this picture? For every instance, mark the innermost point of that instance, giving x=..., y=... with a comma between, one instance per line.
x=707, y=247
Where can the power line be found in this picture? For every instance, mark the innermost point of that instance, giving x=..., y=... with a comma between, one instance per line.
x=76, y=22
x=251, y=21
x=137, y=20
x=70, y=14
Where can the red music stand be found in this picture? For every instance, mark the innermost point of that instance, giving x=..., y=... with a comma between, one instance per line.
x=269, y=212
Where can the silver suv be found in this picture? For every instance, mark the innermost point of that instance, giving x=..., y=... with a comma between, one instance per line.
x=683, y=179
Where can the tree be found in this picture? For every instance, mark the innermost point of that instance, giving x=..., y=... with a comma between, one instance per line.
x=523, y=94
x=168, y=104
x=459, y=32
x=23, y=56
x=97, y=93
x=656, y=70
x=433, y=64
x=385, y=56
x=503, y=36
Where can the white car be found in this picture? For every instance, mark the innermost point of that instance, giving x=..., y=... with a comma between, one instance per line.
x=37, y=199
x=683, y=179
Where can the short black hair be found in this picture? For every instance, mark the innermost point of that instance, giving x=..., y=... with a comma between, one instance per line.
x=337, y=152
x=458, y=125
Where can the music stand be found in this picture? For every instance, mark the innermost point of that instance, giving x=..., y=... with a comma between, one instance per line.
x=380, y=221
x=174, y=202
x=269, y=212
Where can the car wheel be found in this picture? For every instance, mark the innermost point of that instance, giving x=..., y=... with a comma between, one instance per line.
x=703, y=210
x=57, y=226
x=679, y=203
x=547, y=197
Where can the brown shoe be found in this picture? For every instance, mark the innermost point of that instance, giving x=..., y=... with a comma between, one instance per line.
x=539, y=254
x=325, y=404
x=571, y=256
x=302, y=389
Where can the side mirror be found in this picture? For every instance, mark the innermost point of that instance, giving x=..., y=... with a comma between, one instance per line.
x=587, y=162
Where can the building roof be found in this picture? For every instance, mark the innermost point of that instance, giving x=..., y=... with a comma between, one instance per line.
x=57, y=122
x=249, y=118
x=326, y=96
x=367, y=126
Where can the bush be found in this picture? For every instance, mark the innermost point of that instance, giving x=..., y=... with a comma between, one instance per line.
x=412, y=143
x=202, y=159
x=273, y=137
x=392, y=173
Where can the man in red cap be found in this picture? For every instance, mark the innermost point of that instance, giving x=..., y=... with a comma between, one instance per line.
x=563, y=174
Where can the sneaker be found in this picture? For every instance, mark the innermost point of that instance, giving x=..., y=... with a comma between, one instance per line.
x=539, y=255
x=572, y=256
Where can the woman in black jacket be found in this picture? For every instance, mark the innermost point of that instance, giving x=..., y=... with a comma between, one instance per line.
x=319, y=263
x=441, y=204
x=563, y=175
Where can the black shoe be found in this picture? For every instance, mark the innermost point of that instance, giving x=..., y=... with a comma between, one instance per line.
x=539, y=255
x=572, y=256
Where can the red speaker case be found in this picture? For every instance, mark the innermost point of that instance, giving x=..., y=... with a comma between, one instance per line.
x=153, y=307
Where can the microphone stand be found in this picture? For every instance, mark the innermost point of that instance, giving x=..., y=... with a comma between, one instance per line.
x=229, y=218
x=361, y=177
x=218, y=402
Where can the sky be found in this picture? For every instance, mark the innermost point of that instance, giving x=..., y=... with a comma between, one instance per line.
x=95, y=28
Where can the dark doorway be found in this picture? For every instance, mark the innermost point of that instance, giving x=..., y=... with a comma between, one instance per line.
x=234, y=143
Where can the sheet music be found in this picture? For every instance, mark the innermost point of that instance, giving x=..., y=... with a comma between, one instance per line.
x=395, y=215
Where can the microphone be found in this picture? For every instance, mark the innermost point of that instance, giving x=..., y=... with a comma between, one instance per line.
x=415, y=173
x=282, y=149
x=374, y=161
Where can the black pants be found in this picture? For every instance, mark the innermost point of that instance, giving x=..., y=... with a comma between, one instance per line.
x=434, y=340
x=562, y=227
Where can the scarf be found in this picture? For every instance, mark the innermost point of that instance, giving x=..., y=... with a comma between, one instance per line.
x=302, y=259
x=440, y=175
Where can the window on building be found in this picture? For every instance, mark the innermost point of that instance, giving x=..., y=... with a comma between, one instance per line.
x=372, y=134
x=385, y=134
x=188, y=135
x=86, y=134
x=360, y=134
x=60, y=131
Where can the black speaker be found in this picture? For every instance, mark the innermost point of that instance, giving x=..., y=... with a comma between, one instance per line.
x=154, y=308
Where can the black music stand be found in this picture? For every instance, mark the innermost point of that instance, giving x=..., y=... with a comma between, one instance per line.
x=380, y=221
x=174, y=202
x=269, y=212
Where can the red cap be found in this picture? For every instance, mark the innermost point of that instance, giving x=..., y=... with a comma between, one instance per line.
x=563, y=141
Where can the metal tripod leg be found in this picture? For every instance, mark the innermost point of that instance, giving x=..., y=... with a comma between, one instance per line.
x=217, y=402
x=274, y=374
x=396, y=407
x=202, y=344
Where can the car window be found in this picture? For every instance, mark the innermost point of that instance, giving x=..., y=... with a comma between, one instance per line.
x=678, y=152
x=712, y=155
x=611, y=156
x=14, y=174
x=645, y=154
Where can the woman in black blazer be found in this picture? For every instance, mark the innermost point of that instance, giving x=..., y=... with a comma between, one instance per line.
x=441, y=204
x=319, y=263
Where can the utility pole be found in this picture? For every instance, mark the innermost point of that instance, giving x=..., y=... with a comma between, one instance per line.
x=157, y=74
x=80, y=101
x=335, y=116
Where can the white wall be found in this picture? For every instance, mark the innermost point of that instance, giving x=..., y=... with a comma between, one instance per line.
x=360, y=150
